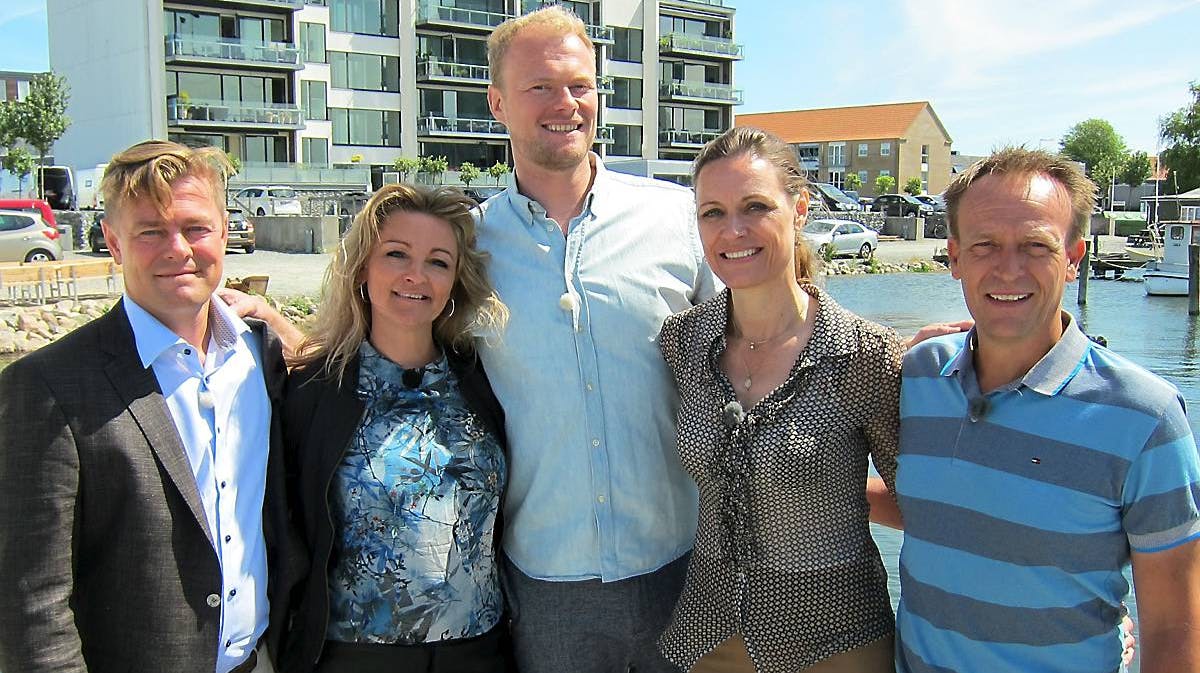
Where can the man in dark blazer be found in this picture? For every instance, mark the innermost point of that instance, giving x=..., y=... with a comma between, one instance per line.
x=138, y=492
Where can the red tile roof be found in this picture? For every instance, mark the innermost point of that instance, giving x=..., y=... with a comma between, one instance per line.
x=862, y=122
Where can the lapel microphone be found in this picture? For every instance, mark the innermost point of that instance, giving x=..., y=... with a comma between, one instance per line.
x=732, y=414
x=411, y=378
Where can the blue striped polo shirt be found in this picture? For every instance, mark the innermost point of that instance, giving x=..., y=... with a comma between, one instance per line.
x=1021, y=506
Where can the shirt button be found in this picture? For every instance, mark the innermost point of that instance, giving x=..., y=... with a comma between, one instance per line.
x=213, y=600
x=600, y=499
x=228, y=643
x=595, y=442
x=187, y=351
x=589, y=386
x=232, y=593
x=228, y=538
x=222, y=484
x=566, y=302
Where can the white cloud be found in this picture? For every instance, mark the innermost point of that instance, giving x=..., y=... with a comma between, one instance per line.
x=10, y=13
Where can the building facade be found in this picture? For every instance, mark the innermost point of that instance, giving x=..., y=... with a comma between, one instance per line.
x=901, y=140
x=359, y=83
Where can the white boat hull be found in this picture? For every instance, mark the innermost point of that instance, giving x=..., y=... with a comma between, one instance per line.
x=1165, y=284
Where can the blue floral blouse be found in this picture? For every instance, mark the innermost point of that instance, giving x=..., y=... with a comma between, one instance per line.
x=414, y=503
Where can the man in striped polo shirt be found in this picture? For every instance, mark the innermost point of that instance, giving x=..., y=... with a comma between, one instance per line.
x=1036, y=465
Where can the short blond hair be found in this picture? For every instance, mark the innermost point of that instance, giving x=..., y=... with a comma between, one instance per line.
x=149, y=169
x=1024, y=162
x=555, y=18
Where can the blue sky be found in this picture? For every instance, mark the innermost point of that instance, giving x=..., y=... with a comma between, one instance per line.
x=1013, y=71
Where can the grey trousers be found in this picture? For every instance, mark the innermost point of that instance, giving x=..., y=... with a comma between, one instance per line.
x=592, y=626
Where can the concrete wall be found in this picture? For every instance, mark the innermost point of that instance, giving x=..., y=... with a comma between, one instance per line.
x=296, y=234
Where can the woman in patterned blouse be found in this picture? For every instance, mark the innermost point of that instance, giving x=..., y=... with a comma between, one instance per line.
x=784, y=396
x=395, y=444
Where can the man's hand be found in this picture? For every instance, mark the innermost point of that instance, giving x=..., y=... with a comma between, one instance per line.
x=938, y=329
x=255, y=306
x=1167, y=586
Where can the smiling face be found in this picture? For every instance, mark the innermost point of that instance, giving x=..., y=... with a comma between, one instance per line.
x=1013, y=255
x=747, y=221
x=547, y=99
x=410, y=272
x=171, y=261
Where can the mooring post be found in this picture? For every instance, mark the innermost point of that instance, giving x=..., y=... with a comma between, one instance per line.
x=1085, y=265
x=1194, y=279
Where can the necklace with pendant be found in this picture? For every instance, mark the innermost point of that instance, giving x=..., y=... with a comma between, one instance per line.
x=755, y=345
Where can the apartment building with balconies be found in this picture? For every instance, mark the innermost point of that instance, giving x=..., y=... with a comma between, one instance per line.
x=902, y=140
x=358, y=83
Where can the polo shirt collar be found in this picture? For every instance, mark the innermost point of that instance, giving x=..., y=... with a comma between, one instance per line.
x=1051, y=374
x=601, y=184
x=152, y=338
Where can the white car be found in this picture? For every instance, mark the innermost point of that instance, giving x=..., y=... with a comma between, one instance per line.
x=25, y=237
x=273, y=200
x=842, y=237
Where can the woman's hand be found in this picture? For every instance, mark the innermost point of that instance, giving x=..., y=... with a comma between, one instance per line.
x=255, y=306
x=938, y=329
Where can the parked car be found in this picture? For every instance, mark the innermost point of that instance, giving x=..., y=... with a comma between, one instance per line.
x=933, y=201
x=840, y=237
x=26, y=237
x=241, y=232
x=835, y=199
x=900, y=205
x=481, y=194
x=273, y=200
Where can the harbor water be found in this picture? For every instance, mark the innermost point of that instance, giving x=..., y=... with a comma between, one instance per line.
x=1155, y=332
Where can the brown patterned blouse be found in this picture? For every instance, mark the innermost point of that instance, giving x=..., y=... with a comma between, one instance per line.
x=783, y=551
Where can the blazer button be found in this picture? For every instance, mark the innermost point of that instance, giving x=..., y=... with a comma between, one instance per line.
x=213, y=600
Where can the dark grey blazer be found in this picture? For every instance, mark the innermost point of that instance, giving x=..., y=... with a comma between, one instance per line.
x=106, y=560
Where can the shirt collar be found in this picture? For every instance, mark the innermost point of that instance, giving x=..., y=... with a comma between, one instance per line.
x=527, y=207
x=1051, y=374
x=152, y=338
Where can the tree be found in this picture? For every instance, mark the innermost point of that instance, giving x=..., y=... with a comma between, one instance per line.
x=20, y=163
x=406, y=166
x=884, y=184
x=1098, y=146
x=468, y=173
x=235, y=163
x=433, y=167
x=853, y=182
x=1181, y=131
x=913, y=186
x=42, y=115
x=1136, y=169
x=498, y=170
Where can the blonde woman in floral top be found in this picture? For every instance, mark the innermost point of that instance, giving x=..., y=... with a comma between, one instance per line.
x=785, y=396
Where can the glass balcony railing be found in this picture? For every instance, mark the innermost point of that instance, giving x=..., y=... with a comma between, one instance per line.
x=600, y=33
x=604, y=134
x=707, y=91
x=290, y=4
x=183, y=47
x=604, y=85
x=682, y=43
x=711, y=3
x=261, y=173
x=227, y=112
x=685, y=138
x=433, y=68
x=434, y=11
x=434, y=125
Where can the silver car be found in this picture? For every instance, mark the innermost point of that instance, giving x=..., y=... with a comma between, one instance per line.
x=841, y=237
x=25, y=237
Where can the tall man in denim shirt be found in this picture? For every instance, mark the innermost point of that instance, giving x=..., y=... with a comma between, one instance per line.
x=599, y=515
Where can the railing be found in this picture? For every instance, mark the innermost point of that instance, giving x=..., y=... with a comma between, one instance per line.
x=600, y=33
x=294, y=4
x=262, y=173
x=701, y=44
x=713, y=3
x=429, y=67
x=604, y=85
x=226, y=49
x=604, y=134
x=430, y=124
x=433, y=11
x=705, y=90
x=684, y=137
x=234, y=112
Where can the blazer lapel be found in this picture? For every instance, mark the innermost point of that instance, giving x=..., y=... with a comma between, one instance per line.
x=139, y=389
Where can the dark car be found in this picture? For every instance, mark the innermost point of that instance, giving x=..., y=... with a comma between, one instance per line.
x=900, y=205
x=241, y=232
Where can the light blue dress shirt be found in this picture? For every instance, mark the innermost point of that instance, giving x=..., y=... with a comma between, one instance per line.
x=223, y=415
x=596, y=489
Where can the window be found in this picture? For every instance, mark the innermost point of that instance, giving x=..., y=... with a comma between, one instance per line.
x=369, y=72
x=924, y=154
x=862, y=177
x=377, y=128
x=837, y=178
x=14, y=222
x=316, y=151
x=627, y=44
x=204, y=86
x=697, y=27
x=453, y=104
x=265, y=149
x=1189, y=213
x=482, y=155
x=924, y=182
x=885, y=149
x=689, y=119
x=627, y=93
x=22, y=89
x=837, y=154
x=862, y=150
x=371, y=17
x=312, y=42
x=885, y=172
x=627, y=141
x=312, y=99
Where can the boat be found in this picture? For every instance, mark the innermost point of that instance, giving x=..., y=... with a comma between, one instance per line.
x=1169, y=276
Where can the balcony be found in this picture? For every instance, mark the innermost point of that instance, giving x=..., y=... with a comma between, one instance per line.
x=225, y=51
x=698, y=92
x=433, y=69
x=316, y=175
x=604, y=85
x=434, y=13
x=432, y=125
x=687, y=139
x=604, y=135
x=681, y=44
x=231, y=113
x=263, y=4
x=601, y=34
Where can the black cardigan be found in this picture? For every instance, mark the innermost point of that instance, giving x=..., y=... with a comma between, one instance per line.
x=320, y=418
